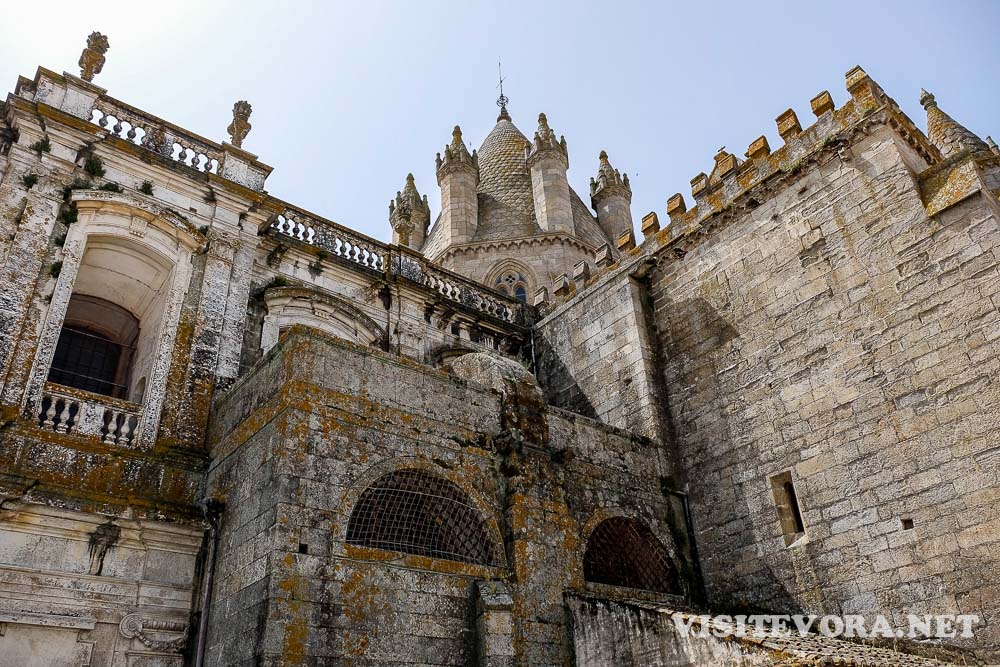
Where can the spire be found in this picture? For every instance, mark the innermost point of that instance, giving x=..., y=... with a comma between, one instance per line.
x=608, y=180
x=545, y=140
x=503, y=99
x=456, y=153
x=948, y=135
x=409, y=215
x=611, y=197
x=993, y=146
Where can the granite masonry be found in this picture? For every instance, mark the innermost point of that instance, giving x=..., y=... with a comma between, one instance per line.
x=233, y=432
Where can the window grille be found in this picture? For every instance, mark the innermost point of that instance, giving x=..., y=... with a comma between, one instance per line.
x=624, y=552
x=418, y=513
x=87, y=361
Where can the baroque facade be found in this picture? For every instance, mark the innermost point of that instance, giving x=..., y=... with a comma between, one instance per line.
x=237, y=433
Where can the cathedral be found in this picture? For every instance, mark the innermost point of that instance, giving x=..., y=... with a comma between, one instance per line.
x=234, y=432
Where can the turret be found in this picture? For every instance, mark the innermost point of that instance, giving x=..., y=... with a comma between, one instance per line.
x=548, y=160
x=948, y=135
x=611, y=197
x=458, y=177
x=409, y=216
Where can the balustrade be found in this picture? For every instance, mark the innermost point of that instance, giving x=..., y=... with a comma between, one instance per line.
x=72, y=411
x=332, y=238
x=155, y=135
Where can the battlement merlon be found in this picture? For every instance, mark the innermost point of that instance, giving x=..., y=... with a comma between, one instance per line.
x=732, y=178
x=69, y=98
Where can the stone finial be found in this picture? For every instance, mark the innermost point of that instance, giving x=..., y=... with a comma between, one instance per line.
x=604, y=257
x=92, y=59
x=759, y=148
x=609, y=181
x=650, y=224
x=948, y=135
x=822, y=103
x=788, y=125
x=240, y=127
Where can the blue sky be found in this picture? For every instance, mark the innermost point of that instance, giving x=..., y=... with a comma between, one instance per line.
x=348, y=96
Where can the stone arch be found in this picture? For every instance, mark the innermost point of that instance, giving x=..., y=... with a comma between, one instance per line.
x=355, y=495
x=512, y=278
x=135, y=255
x=326, y=312
x=621, y=550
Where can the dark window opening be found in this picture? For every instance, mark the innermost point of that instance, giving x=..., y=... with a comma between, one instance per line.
x=86, y=360
x=786, y=503
x=794, y=504
x=96, y=347
x=521, y=294
x=907, y=524
x=303, y=548
x=624, y=552
x=417, y=513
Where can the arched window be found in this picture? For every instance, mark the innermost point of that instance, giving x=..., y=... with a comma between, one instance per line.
x=418, y=513
x=624, y=552
x=513, y=283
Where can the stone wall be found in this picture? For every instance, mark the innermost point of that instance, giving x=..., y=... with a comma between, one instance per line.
x=79, y=588
x=837, y=332
x=316, y=422
x=596, y=357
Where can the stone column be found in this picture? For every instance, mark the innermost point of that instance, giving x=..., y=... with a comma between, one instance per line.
x=494, y=624
x=76, y=241
x=18, y=282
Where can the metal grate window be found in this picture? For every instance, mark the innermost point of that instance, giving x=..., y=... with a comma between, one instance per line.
x=624, y=552
x=87, y=361
x=417, y=513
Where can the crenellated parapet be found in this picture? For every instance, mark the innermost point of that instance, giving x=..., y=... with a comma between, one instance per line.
x=732, y=178
x=736, y=185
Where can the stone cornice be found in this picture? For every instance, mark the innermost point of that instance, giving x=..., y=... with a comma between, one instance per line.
x=537, y=240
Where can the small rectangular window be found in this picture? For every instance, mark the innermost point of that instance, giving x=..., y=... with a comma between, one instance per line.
x=787, y=504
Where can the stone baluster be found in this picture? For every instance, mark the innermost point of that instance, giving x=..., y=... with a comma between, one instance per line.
x=63, y=425
x=50, y=414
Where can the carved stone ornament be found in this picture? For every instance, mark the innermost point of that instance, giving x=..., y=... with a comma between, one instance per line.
x=159, y=635
x=92, y=59
x=240, y=126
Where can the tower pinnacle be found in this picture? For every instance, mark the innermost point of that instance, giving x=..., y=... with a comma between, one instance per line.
x=503, y=99
x=950, y=136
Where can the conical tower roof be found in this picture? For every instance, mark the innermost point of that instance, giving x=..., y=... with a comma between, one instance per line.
x=948, y=135
x=506, y=203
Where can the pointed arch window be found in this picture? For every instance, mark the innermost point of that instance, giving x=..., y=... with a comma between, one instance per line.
x=512, y=283
x=419, y=513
